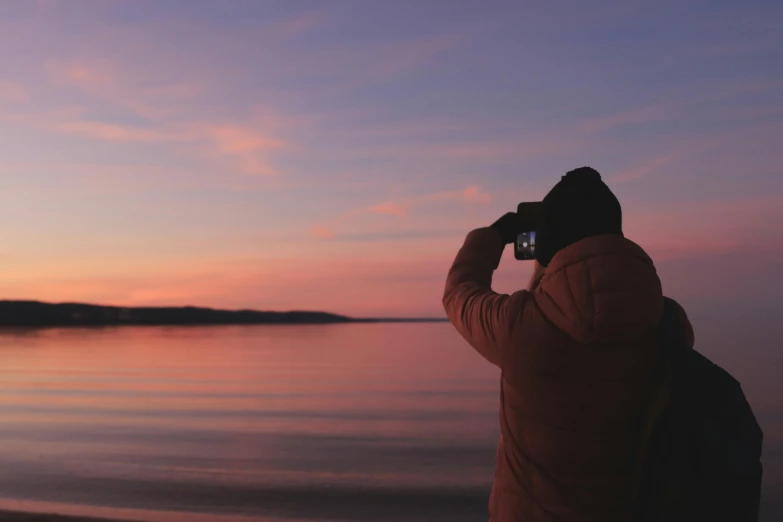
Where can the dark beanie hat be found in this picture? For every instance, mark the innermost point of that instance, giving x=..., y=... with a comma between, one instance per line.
x=579, y=206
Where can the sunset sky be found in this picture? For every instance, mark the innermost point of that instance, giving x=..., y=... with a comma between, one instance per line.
x=333, y=154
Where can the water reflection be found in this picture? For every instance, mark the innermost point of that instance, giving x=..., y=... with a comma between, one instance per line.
x=333, y=421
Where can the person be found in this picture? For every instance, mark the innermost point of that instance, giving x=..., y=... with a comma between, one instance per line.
x=577, y=350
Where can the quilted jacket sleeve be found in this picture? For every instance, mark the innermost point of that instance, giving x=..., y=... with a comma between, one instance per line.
x=478, y=313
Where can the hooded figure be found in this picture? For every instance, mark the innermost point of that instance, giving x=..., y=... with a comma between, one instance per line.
x=577, y=352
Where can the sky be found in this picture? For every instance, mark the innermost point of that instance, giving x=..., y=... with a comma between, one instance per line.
x=332, y=155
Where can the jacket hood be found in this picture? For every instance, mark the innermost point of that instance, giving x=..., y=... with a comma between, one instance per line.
x=601, y=289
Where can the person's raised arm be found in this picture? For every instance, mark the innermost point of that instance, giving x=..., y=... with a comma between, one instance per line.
x=478, y=313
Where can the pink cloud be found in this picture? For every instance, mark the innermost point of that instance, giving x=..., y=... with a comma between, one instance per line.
x=85, y=76
x=102, y=81
x=13, y=92
x=654, y=164
x=112, y=132
x=322, y=231
x=471, y=194
x=392, y=208
x=248, y=146
x=245, y=147
x=474, y=194
x=239, y=140
x=173, y=113
x=143, y=92
x=403, y=207
x=645, y=168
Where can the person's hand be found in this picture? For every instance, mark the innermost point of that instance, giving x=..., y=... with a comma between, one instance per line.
x=508, y=227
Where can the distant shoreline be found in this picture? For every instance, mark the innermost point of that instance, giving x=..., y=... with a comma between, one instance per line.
x=23, y=516
x=37, y=314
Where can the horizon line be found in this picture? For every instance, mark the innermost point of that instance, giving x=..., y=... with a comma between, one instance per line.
x=234, y=310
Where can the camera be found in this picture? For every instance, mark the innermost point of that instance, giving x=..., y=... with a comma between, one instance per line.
x=528, y=214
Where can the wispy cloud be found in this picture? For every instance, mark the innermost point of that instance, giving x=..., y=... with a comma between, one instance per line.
x=651, y=165
x=392, y=208
x=403, y=207
x=248, y=146
x=118, y=179
x=78, y=74
x=475, y=150
x=645, y=168
x=648, y=166
x=172, y=114
x=322, y=231
x=166, y=100
x=640, y=115
x=684, y=103
x=471, y=194
x=296, y=24
x=113, y=132
x=245, y=148
x=400, y=208
x=13, y=92
x=400, y=59
x=138, y=91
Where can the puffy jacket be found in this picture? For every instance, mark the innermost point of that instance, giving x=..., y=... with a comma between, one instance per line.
x=578, y=358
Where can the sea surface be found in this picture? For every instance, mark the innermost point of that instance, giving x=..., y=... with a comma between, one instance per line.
x=347, y=422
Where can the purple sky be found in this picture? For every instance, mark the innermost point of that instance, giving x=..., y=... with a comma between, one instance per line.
x=333, y=154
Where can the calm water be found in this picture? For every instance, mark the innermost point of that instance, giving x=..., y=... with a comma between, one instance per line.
x=340, y=422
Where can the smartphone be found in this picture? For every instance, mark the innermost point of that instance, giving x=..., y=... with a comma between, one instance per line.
x=525, y=244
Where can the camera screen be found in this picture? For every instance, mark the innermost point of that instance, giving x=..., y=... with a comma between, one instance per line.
x=526, y=245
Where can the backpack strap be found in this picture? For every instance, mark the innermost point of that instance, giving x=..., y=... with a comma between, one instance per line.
x=656, y=408
x=671, y=331
x=671, y=335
